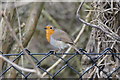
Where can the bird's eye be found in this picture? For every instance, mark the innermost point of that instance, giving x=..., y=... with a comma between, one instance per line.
x=51, y=28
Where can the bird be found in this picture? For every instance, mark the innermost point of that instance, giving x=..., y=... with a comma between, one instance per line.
x=59, y=38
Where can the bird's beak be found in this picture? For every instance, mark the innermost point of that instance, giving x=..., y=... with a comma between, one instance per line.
x=45, y=28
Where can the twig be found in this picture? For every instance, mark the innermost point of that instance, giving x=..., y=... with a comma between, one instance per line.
x=101, y=61
x=45, y=13
x=20, y=44
x=20, y=33
x=17, y=66
x=83, y=27
x=28, y=31
x=111, y=34
x=105, y=29
x=20, y=37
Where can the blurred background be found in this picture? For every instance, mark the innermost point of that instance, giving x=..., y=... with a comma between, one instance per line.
x=28, y=20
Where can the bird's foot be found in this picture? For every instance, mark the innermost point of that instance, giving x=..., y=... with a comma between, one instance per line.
x=52, y=51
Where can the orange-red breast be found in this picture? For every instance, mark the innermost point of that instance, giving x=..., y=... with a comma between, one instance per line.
x=58, y=38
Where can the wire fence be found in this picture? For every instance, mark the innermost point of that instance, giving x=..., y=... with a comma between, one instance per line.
x=107, y=51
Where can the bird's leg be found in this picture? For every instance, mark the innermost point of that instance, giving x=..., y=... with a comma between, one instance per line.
x=54, y=54
x=60, y=51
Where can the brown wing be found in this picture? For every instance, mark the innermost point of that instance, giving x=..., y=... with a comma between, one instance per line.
x=63, y=36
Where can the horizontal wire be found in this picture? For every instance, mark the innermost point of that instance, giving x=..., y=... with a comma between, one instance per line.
x=63, y=54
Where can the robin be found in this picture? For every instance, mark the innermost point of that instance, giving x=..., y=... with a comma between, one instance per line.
x=58, y=38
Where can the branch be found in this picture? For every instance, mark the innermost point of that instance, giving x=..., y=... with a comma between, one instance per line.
x=17, y=66
x=47, y=15
x=17, y=40
x=29, y=30
x=106, y=30
x=32, y=22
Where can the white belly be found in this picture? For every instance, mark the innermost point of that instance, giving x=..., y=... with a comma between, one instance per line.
x=58, y=44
